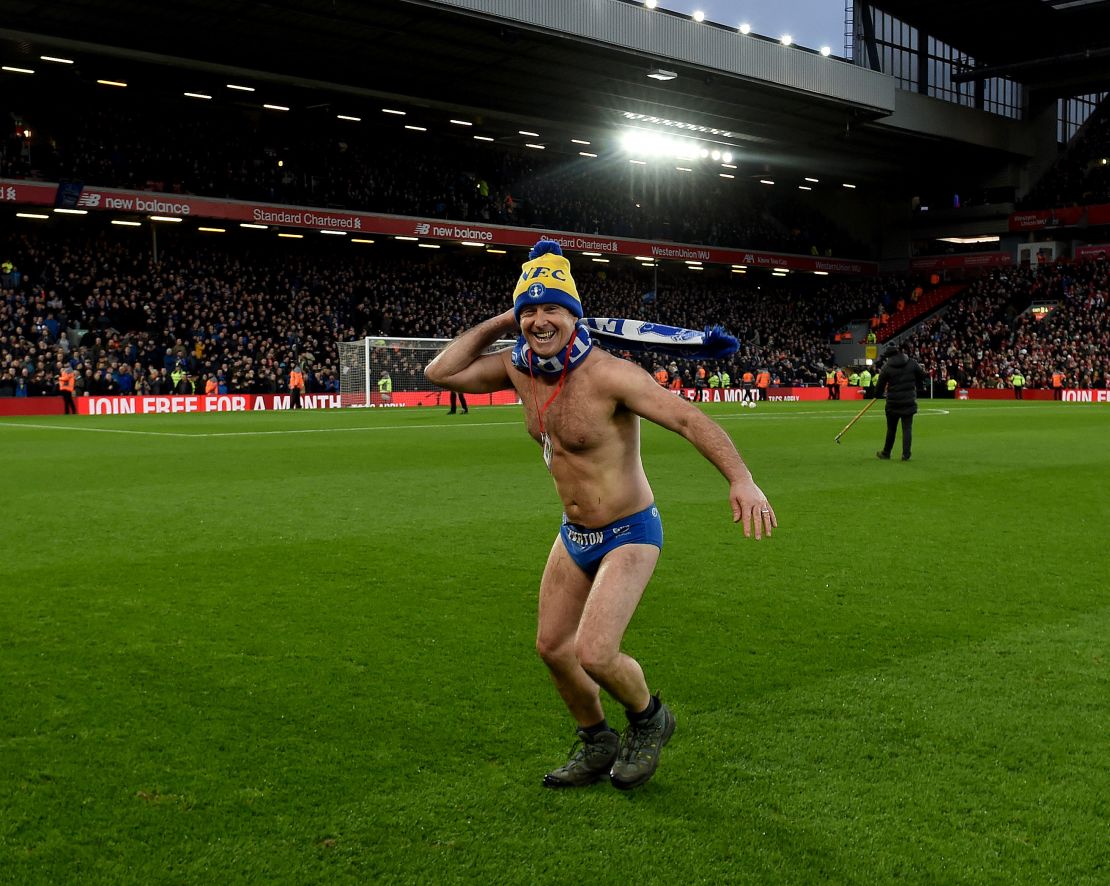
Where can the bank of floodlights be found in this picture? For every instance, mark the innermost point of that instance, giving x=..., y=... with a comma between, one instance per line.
x=641, y=145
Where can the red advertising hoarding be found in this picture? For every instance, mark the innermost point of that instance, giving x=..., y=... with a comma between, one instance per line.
x=1101, y=250
x=1098, y=214
x=369, y=224
x=174, y=404
x=774, y=395
x=1040, y=219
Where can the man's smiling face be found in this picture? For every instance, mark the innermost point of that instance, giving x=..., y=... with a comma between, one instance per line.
x=547, y=328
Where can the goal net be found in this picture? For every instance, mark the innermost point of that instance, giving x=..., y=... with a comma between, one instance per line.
x=381, y=371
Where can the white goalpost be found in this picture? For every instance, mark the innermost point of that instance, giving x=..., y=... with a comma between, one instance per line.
x=388, y=371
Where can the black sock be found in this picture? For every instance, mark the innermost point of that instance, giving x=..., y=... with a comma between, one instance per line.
x=598, y=728
x=646, y=714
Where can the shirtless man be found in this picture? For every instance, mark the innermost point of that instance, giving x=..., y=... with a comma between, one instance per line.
x=583, y=407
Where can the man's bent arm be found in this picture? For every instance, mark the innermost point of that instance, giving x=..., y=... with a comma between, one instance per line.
x=749, y=505
x=464, y=366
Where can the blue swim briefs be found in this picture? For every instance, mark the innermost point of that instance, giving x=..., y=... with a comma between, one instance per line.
x=587, y=546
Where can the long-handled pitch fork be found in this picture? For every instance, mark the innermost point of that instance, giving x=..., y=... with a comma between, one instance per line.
x=859, y=415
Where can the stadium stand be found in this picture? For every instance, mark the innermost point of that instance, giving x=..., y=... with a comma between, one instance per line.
x=913, y=311
x=989, y=331
x=244, y=314
x=233, y=152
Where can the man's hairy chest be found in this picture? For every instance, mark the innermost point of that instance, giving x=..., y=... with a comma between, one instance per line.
x=578, y=418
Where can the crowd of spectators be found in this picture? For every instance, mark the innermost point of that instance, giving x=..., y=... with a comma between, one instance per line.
x=988, y=333
x=128, y=325
x=244, y=316
x=233, y=152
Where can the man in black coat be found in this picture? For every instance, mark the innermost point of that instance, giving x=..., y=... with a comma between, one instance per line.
x=899, y=380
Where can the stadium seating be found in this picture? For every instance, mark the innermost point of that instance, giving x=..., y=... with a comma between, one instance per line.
x=988, y=332
x=247, y=314
x=177, y=146
x=916, y=309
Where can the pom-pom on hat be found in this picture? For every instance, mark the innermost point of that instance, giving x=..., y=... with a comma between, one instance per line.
x=545, y=279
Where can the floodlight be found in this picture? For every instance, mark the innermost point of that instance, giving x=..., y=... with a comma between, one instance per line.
x=660, y=74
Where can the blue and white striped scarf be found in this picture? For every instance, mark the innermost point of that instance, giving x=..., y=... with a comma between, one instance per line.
x=638, y=336
x=629, y=335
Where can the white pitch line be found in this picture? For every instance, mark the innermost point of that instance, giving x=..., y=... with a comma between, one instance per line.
x=747, y=416
x=487, y=424
x=927, y=410
x=804, y=413
x=94, y=430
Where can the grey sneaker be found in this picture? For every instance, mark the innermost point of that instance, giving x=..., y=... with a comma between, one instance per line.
x=589, y=763
x=640, y=747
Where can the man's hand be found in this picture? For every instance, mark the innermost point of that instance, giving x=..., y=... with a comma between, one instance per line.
x=751, y=509
x=461, y=365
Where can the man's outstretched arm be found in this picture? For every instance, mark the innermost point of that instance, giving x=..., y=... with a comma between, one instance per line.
x=639, y=393
x=463, y=365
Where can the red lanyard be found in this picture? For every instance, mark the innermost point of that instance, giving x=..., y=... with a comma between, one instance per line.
x=558, y=387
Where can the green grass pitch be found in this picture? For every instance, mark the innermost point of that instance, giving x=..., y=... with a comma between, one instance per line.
x=298, y=648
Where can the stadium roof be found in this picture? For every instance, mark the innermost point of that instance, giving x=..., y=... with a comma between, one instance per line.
x=1060, y=47
x=337, y=54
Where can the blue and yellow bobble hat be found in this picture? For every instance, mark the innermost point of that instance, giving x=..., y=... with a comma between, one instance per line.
x=545, y=279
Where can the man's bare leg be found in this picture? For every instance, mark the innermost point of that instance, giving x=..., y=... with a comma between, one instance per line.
x=563, y=594
x=617, y=589
x=602, y=613
x=564, y=590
